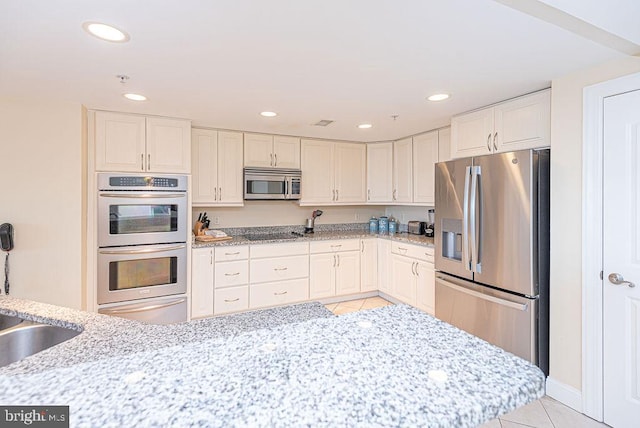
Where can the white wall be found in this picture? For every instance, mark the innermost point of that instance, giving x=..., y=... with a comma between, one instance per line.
x=41, y=186
x=566, y=212
x=285, y=213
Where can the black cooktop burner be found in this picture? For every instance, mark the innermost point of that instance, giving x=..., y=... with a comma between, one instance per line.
x=273, y=236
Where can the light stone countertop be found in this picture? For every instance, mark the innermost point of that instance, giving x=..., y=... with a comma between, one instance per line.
x=392, y=366
x=323, y=236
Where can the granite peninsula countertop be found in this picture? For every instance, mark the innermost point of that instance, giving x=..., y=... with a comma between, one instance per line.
x=241, y=239
x=392, y=366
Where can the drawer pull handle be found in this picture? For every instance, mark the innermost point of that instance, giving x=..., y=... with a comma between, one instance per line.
x=284, y=268
x=232, y=274
x=336, y=246
x=404, y=250
x=232, y=300
x=232, y=254
x=279, y=294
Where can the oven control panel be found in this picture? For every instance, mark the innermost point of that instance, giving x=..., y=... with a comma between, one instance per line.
x=141, y=182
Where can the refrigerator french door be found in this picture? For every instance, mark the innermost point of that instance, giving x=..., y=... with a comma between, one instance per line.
x=492, y=249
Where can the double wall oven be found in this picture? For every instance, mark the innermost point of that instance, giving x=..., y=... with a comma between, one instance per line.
x=142, y=247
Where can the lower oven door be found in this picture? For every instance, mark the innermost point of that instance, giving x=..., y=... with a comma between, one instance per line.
x=160, y=310
x=141, y=271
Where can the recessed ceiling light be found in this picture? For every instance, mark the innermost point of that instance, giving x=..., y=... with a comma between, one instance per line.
x=135, y=97
x=438, y=97
x=269, y=114
x=105, y=32
x=365, y=126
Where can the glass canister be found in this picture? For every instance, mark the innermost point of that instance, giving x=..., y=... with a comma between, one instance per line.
x=383, y=225
x=373, y=225
x=392, y=225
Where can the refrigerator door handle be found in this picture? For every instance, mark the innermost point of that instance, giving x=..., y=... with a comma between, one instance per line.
x=508, y=303
x=474, y=238
x=465, y=220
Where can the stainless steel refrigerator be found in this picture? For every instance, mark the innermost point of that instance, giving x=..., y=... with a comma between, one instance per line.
x=492, y=250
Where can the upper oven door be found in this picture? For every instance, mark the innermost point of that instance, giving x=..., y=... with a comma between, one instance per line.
x=138, y=217
x=138, y=272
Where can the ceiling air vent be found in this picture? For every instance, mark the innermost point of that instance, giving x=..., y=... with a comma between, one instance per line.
x=323, y=123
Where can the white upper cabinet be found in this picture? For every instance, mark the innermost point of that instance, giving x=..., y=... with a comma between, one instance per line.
x=402, y=171
x=317, y=172
x=350, y=164
x=217, y=168
x=425, y=157
x=379, y=172
x=444, y=144
x=333, y=172
x=132, y=143
x=271, y=151
x=521, y=123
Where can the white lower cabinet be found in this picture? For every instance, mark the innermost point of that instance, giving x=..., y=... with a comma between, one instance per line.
x=385, y=281
x=334, y=268
x=368, y=264
x=278, y=274
x=202, y=276
x=413, y=275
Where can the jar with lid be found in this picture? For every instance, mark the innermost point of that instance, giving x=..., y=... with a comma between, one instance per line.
x=373, y=225
x=383, y=225
x=392, y=225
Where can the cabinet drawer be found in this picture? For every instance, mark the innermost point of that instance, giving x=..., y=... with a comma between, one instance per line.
x=279, y=269
x=334, y=246
x=224, y=254
x=279, y=250
x=231, y=273
x=414, y=251
x=279, y=293
x=232, y=299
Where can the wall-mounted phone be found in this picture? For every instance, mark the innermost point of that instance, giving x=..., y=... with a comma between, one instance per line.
x=6, y=237
x=6, y=244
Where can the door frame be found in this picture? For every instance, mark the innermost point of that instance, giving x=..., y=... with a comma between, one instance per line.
x=592, y=239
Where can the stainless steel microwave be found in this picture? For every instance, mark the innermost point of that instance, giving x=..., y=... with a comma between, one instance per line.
x=271, y=183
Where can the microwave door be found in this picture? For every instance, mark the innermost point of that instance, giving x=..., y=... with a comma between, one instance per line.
x=266, y=187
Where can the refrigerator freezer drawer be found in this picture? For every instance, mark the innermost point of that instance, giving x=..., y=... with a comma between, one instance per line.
x=501, y=319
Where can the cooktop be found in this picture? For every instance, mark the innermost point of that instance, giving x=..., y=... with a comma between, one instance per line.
x=272, y=236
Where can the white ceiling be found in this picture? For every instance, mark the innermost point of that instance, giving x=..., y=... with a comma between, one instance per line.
x=220, y=63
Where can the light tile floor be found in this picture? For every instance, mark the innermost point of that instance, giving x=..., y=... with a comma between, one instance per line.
x=543, y=413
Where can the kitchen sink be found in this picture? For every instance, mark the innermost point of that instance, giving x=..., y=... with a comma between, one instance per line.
x=27, y=338
x=8, y=321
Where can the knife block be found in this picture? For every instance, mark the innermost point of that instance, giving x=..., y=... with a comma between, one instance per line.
x=198, y=229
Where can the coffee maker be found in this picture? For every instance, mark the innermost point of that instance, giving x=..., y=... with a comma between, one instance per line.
x=430, y=228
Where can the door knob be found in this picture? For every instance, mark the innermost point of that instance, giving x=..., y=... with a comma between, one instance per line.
x=616, y=278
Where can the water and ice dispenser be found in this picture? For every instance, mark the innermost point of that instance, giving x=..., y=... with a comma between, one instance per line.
x=451, y=238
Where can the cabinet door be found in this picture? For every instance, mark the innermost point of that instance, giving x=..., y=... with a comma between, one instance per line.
x=425, y=157
x=444, y=144
x=258, y=150
x=385, y=283
x=404, y=279
x=204, y=160
x=120, y=142
x=369, y=265
x=168, y=145
x=317, y=172
x=523, y=123
x=348, y=272
x=379, y=172
x=472, y=134
x=322, y=281
x=286, y=152
x=426, y=287
x=402, y=171
x=350, y=172
x=202, y=282
x=230, y=179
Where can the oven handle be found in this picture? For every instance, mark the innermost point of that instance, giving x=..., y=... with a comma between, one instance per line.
x=142, y=309
x=144, y=250
x=143, y=195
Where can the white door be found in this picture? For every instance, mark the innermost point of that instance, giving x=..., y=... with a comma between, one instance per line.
x=230, y=180
x=286, y=152
x=317, y=172
x=202, y=282
x=168, y=145
x=350, y=160
x=258, y=150
x=322, y=275
x=204, y=161
x=621, y=256
x=425, y=157
x=380, y=172
x=348, y=272
x=402, y=171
